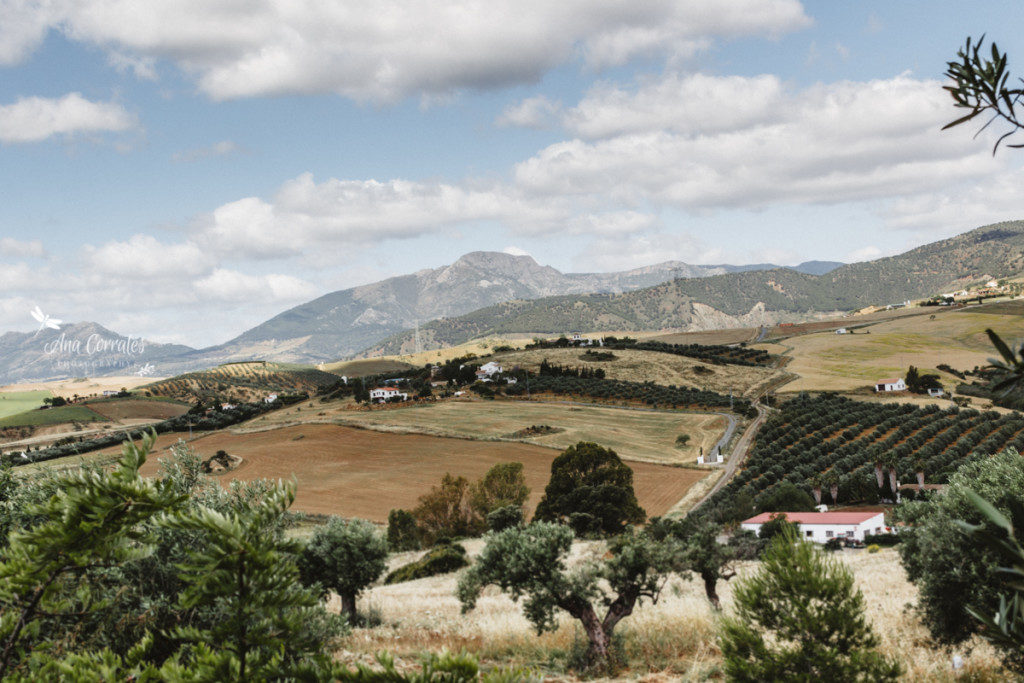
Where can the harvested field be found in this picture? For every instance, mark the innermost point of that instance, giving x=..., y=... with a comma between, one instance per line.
x=652, y=366
x=82, y=386
x=361, y=368
x=710, y=337
x=830, y=362
x=138, y=409
x=364, y=473
x=640, y=435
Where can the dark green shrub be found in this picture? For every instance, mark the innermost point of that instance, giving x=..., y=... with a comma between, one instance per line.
x=440, y=559
x=505, y=517
x=402, y=531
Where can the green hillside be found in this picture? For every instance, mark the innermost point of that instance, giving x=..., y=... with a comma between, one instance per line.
x=992, y=251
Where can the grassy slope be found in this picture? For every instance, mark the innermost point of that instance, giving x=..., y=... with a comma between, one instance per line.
x=52, y=416
x=14, y=402
x=827, y=361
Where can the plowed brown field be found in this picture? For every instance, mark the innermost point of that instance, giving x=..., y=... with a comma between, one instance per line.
x=363, y=473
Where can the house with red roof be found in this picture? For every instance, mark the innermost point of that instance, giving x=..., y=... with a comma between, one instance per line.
x=821, y=527
x=385, y=394
x=895, y=384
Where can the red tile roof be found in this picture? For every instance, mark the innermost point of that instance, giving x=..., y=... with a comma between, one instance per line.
x=816, y=517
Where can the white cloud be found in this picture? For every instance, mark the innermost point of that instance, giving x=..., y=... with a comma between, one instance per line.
x=217, y=149
x=143, y=68
x=515, y=251
x=868, y=253
x=533, y=112
x=623, y=252
x=999, y=197
x=143, y=256
x=231, y=285
x=352, y=214
x=17, y=248
x=380, y=50
x=32, y=119
x=832, y=143
x=691, y=104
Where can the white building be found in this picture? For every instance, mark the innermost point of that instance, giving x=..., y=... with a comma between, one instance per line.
x=821, y=527
x=891, y=385
x=488, y=370
x=936, y=391
x=270, y=398
x=385, y=394
x=842, y=330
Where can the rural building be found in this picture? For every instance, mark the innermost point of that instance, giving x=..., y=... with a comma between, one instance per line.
x=891, y=385
x=384, y=394
x=842, y=330
x=227, y=406
x=110, y=392
x=820, y=527
x=936, y=391
x=488, y=370
x=270, y=398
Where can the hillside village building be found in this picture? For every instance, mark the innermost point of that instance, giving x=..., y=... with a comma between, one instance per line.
x=384, y=394
x=821, y=527
x=896, y=384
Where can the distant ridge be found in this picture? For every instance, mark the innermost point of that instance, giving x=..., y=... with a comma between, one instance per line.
x=745, y=298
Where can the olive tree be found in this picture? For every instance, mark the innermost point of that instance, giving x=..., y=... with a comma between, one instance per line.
x=346, y=557
x=531, y=562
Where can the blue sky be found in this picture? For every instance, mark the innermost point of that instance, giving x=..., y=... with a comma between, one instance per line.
x=183, y=170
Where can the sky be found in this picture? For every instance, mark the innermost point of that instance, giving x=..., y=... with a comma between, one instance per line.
x=184, y=169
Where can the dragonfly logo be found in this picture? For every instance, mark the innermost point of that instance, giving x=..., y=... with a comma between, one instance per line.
x=44, y=320
x=146, y=370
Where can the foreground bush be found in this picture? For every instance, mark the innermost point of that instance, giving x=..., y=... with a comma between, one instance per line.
x=345, y=557
x=441, y=559
x=801, y=618
x=954, y=571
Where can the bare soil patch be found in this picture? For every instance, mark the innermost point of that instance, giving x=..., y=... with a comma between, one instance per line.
x=128, y=409
x=364, y=473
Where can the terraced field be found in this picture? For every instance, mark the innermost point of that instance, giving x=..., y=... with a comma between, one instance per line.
x=242, y=381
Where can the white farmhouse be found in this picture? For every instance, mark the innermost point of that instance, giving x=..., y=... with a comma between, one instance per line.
x=842, y=330
x=385, y=394
x=896, y=384
x=270, y=398
x=821, y=527
x=487, y=371
x=935, y=391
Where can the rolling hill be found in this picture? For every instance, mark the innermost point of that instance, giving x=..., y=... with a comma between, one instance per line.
x=746, y=298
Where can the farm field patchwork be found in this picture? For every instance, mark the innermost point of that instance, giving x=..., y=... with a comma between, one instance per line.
x=364, y=473
x=14, y=402
x=81, y=386
x=651, y=366
x=639, y=435
x=831, y=362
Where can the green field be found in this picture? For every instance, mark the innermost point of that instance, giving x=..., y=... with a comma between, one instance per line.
x=14, y=402
x=61, y=415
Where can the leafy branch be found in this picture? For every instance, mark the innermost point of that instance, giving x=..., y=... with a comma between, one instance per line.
x=982, y=85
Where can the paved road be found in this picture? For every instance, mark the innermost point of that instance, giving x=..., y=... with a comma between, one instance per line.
x=737, y=456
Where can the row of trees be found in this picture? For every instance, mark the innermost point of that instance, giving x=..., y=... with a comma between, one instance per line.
x=840, y=450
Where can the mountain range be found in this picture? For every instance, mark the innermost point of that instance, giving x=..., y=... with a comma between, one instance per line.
x=746, y=298
x=485, y=293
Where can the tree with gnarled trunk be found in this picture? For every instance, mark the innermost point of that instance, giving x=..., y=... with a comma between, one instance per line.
x=530, y=562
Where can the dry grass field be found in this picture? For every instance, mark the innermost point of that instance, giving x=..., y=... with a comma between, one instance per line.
x=365, y=473
x=83, y=386
x=367, y=366
x=827, y=361
x=638, y=435
x=651, y=366
x=729, y=336
x=671, y=641
x=140, y=409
